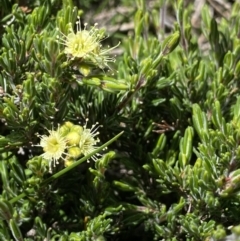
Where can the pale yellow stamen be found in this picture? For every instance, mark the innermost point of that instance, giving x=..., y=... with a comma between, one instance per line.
x=88, y=141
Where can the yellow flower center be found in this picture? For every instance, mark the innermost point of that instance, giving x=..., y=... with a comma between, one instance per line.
x=53, y=145
x=80, y=44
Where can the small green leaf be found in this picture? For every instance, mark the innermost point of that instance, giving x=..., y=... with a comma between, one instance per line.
x=170, y=43
x=15, y=230
x=6, y=210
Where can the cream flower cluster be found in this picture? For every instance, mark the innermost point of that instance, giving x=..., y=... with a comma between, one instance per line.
x=68, y=142
x=85, y=45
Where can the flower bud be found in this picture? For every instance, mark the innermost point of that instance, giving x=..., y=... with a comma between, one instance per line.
x=68, y=162
x=74, y=152
x=85, y=70
x=77, y=128
x=73, y=138
x=65, y=128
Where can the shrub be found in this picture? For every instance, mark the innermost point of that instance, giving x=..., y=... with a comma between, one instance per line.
x=166, y=106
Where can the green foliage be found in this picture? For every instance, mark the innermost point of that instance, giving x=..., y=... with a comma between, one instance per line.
x=174, y=174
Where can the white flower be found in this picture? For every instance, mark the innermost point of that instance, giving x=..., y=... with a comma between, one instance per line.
x=54, y=146
x=88, y=141
x=86, y=44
